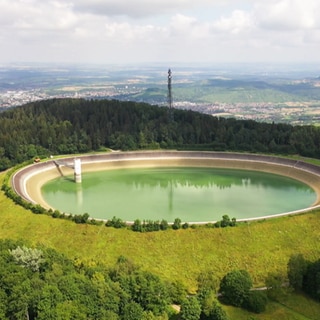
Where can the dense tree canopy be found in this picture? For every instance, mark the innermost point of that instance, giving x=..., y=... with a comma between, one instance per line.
x=64, y=126
x=235, y=287
x=311, y=280
x=297, y=267
x=190, y=309
x=304, y=275
x=39, y=283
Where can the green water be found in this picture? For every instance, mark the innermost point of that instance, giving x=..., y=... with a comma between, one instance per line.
x=191, y=194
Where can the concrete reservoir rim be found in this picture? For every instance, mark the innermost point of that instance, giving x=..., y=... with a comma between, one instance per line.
x=27, y=182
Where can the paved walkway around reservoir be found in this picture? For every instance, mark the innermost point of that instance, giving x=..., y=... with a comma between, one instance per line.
x=27, y=182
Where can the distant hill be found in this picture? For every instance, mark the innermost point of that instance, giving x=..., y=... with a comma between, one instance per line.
x=235, y=91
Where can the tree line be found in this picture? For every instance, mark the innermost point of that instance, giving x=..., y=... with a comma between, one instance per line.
x=304, y=275
x=39, y=283
x=65, y=126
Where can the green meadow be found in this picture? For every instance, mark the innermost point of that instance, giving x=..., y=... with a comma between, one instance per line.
x=261, y=248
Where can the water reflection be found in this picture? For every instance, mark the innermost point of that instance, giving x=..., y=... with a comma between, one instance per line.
x=201, y=178
x=79, y=192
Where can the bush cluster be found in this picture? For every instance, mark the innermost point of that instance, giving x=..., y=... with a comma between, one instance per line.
x=116, y=223
x=226, y=222
x=236, y=289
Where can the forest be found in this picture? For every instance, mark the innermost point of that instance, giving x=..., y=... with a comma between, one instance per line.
x=68, y=126
x=39, y=283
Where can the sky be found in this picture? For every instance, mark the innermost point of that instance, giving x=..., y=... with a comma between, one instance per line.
x=160, y=31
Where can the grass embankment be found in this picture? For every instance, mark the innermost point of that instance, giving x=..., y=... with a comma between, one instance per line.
x=292, y=307
x=258, y=247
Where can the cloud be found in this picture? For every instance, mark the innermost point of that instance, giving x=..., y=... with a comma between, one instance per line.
x=36, y=17
x=135, y=8
x=237, y=22
x=288, y=14
x=127, y=33
x=150, y=30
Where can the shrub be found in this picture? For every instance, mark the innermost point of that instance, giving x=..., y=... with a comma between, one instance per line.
x=235, y=287
x=37, y=209
x=256, y=301
x=116, y=223
x=185, y=225
x=137, y=226
x=56, y=214
x=176, y=224
x=81, y=219
x=226, y=222
x=95, y=222
x=164, y=225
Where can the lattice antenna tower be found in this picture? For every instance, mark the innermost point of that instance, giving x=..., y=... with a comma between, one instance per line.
x=170, y=89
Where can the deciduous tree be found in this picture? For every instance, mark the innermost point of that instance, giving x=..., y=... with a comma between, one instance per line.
x=297, y=267
x=28, y=257
x=235, y=287
x=190, y=309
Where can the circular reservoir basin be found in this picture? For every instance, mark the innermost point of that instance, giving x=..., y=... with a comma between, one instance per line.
x=193, y=194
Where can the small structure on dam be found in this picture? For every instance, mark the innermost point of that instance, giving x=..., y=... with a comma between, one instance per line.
x=76, y=167
x=77, y=170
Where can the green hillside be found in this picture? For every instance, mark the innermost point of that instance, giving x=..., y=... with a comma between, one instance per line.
x=261, y=248
x=178, y=257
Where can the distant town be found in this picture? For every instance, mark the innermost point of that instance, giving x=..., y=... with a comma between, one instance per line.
x=289, y=97
x=12, y=98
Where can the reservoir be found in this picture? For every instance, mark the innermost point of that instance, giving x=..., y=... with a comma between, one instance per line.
x=193, y=194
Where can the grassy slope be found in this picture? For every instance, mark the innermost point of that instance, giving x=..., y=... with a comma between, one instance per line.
x=245, y=94
x=259, y=247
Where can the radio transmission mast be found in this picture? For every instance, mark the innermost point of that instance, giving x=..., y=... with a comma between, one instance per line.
x=169, y=89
